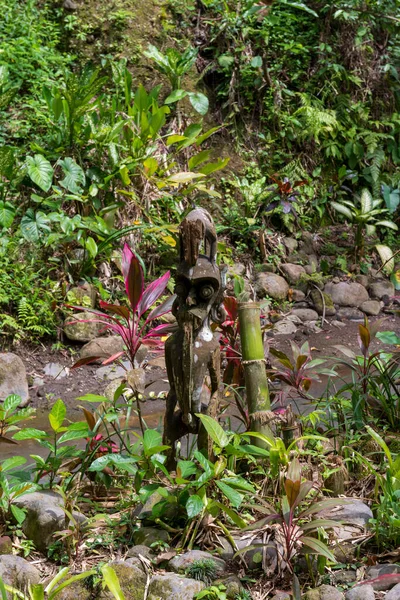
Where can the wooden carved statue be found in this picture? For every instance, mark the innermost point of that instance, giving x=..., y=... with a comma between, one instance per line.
x=193, y=352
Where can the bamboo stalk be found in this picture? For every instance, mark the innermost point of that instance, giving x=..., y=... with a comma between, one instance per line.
x=253, y=361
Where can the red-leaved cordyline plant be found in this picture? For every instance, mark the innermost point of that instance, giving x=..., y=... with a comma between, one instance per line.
x=130, y=322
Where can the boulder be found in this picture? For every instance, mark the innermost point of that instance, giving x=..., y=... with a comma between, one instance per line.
x=394, y=593
x=354, y=512
x=180, y=563
x=82, y=327
x=272, y=285
x=361, y=592
x=17, y=571
x=291, y=244
x=319, y=299
x=305, y=314
x=362, y=280
x=141, y=550
x=103, y=347
x=350, y=313
x=292, y=272
x=371, y=307
x=298, y=295
x=382, y=577
x=148, y=535
x=13, y=378
x=381, y=288
x=83, y=295
x=237, y=269
x=75, y=591
x=324, y=592
x=233, y=585
x=347, y=293
x=131, y=577
x=44, y=516
x=168, y=586
x=284, y=327
x=55, y=370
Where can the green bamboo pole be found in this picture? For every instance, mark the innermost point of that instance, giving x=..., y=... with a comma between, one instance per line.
x=253, y=361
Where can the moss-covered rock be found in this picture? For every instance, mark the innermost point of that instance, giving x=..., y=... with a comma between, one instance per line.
x=82, y=327
x=149, y=535
x=168, y=586
x=131, y=577
x=318, y=300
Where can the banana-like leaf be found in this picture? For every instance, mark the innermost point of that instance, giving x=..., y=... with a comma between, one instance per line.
x=386, y=256
x=388, y=224
x=342, y=210
x=366, y=200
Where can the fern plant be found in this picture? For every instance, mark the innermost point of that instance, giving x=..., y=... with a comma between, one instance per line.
x=365, y=213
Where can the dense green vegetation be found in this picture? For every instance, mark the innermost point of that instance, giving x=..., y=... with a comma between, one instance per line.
x=308, y=91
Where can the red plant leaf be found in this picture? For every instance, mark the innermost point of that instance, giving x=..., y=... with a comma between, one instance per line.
x=111, y=359
x=231, y=307
x=133, y=276
x=121, y=311
x=388, y=579
x=85, y=361
x=161, y=309
x=152, y=293
x=161, y=330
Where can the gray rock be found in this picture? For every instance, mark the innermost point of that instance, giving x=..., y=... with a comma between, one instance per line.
x=292, y=272
x=353, y=512
x=322, y=301
x=82, y=327
x=284, y=327
x=347, y=293
x=361, y=592
x=298, y=295
x=131, y=577
x=313, y=262
x=148, y=535
x=103, y=347
x=168, y=586
x=180, y=563
x=5, y=545
x=291, y=244
x=139, y=549
x=307, y=243
x=232, y=584
x=338, y=324
x=362, y=280
x=75, y=591
x=55, y=371
x=282, y=596
x=84, y=295
x=377, y=289
x=383, y=569
x=305, y=314
x=344, y=576
x=394, y=593
x=350, y=313
x=371, y=307
x=112, y=372
x=17, y=571
x=44, y=517
x=324, y=592
x=272, y=285
x=237, y=269
x=70, y=5
x=13, y=378
x=383, y=577
x=112, y=387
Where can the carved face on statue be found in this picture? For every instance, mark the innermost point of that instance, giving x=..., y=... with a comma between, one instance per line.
x=198, y=294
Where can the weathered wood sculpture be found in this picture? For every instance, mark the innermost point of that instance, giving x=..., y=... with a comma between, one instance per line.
x=193, y=352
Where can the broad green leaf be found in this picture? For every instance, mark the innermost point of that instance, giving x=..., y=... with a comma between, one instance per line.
x=214, y=430
x=74, y=178
x=175, y=96
x=124, y=463
x=185, y=468
x=388, y=224
x=237, y=519
x=233, y=496
x=33, y=225
x=73, y=435
x=388, y=337
x=151, y=439
x=18, y=514
x=387, y=258
x=7, y=214
x=343, y=210
x=40, y=171
x=199, y=102
x=57, y=415
x=213, y=167
x=11, y=402
x=184, y=177
x=366, y=201
x=93, y=398
x=12, y=463
x=256, y=62
x=29, y=433
x=194, y=506
x=112, y=582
